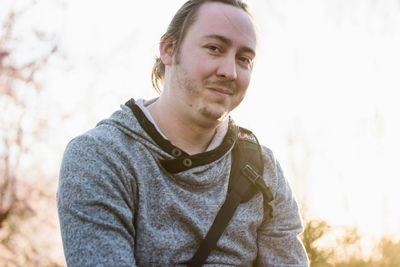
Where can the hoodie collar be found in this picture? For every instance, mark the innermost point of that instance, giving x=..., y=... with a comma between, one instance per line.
x=182, y=161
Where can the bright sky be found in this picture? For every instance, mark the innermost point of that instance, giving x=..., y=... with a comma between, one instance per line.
x=323, y=95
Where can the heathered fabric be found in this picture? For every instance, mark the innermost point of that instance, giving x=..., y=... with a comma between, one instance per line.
x=119, y=207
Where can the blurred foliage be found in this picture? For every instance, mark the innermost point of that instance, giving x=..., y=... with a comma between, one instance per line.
x=30, y=235
x=346, y=250
x=19, y=127
x=313, y=232
x=28, y=230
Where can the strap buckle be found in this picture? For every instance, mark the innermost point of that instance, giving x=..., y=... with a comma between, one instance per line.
x=250, y=173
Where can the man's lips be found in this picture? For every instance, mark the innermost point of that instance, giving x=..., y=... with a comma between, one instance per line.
x=221, y=90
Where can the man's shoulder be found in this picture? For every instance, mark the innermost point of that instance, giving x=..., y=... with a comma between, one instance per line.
x=110, y=129
x=247, y=135
x=87, y=143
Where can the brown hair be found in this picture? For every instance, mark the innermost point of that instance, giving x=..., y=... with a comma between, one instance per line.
x=178, y=28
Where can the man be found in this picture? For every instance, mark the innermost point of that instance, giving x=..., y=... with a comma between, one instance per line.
x=144, y=186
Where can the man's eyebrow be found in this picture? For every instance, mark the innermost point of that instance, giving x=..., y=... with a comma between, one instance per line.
x=229, y=42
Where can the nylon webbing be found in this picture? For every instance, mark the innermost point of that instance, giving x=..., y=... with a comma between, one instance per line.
x=217, y=228
x=246, y=156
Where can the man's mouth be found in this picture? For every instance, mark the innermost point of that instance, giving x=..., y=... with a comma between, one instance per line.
x=221, y=90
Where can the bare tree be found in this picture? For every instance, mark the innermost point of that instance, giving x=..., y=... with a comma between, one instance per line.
x=19, y=129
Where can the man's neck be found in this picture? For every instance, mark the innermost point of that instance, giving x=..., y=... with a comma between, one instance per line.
x=187, y=135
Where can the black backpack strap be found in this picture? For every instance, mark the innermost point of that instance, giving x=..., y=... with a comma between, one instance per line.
x=245, y=180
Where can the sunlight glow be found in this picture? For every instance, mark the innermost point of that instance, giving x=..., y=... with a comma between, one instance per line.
x=323, y=95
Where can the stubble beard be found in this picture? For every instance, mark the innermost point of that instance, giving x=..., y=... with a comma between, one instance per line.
x=194, y=90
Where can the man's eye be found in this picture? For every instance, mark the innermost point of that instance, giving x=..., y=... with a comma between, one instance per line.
x=213, y=48
x=247, y=61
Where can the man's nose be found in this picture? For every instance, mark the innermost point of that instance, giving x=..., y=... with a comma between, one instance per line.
x=227, y=68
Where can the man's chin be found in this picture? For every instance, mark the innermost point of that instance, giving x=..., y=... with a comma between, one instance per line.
x=214, y=116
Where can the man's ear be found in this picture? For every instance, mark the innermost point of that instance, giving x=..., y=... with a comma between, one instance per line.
x=167, y=48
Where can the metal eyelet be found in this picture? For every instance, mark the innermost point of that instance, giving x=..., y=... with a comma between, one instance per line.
x=187, y=163
x=176, y=152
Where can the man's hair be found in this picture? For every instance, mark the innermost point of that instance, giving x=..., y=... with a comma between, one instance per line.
x=177, y=29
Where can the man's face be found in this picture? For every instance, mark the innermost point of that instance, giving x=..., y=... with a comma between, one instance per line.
x=211, y=72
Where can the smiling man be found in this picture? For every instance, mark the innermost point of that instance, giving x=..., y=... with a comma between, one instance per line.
x=206, y=77
x=144, y=187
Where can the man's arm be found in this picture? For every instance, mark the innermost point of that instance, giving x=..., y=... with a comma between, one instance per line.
x=95, y=204
x=278, y=238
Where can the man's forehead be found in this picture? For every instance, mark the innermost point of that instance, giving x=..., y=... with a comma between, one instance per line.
x=228, y=22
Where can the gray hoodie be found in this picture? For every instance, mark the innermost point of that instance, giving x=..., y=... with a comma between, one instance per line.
x=128, y=197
